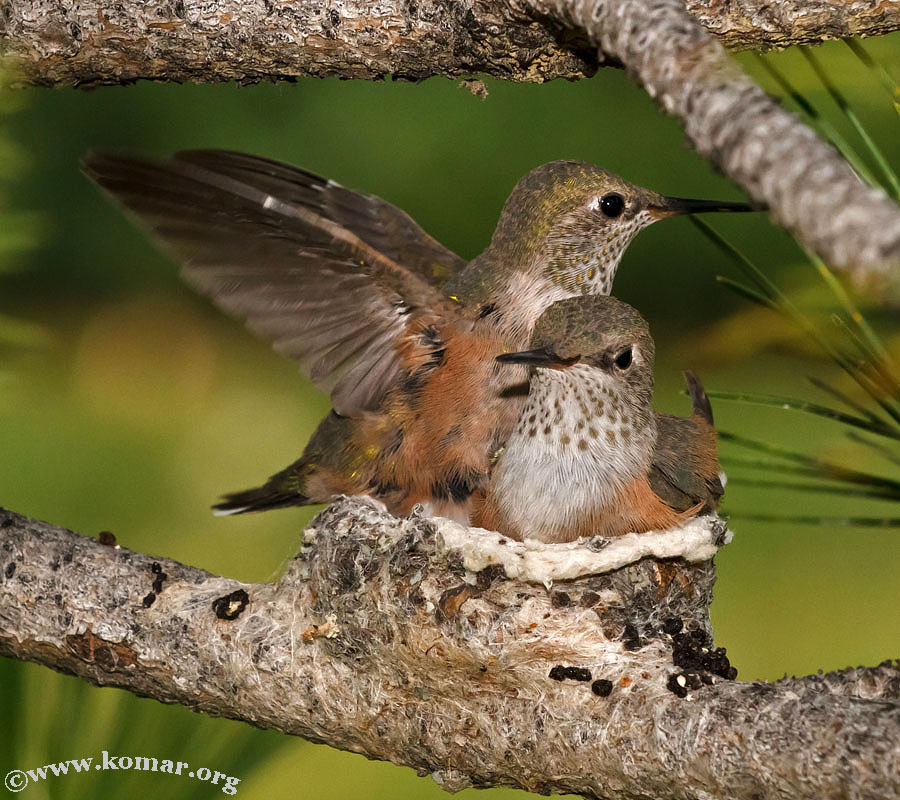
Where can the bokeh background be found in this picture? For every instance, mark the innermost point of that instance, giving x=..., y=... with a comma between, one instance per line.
x=129, y=404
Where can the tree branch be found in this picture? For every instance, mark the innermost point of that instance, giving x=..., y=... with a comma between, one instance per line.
x=382, y=640
x=760, y=24
x=58, y=42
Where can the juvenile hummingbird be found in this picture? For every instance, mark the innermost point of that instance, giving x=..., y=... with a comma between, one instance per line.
x=589, y=456
x=400, y=331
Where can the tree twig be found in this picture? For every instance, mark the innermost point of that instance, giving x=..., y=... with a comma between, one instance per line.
x=380, y=640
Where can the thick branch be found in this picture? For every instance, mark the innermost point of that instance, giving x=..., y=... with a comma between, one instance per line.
x=381, y=641
x=57, y=42
x=762, y=24
x=62, y=42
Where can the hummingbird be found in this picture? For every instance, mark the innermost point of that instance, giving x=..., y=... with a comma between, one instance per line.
x=400, y=331
x=588, y=455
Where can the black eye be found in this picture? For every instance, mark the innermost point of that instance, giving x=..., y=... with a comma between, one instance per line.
x=623, y=360
x=612, y=205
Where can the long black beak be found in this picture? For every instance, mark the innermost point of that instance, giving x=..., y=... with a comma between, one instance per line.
x=542, y=357
x=673, y=206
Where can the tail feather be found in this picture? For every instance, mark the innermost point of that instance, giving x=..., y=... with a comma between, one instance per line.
x=263, y=498
x=699, y=401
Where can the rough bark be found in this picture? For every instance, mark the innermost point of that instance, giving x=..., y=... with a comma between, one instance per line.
x=57, y=42
x=394, y=639
x=761, y=24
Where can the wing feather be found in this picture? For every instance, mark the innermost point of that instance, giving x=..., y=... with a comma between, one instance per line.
x=383, y=226
x=684, y=470
x=332, y=277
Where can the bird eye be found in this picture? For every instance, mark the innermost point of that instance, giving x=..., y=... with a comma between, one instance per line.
x=623, y=360
x=612, y=204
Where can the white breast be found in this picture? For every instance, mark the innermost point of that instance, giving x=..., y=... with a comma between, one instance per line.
x=573, y=450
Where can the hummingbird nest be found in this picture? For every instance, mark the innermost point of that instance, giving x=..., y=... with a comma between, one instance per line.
x=536, y=620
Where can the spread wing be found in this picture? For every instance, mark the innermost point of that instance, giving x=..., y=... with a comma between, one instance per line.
x=337, y=280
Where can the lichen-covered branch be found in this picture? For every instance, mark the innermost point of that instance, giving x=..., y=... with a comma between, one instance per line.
x=57, y=42
x=761, y=24
x=382, y=640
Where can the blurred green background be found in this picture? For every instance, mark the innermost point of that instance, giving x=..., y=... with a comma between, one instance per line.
x=129, y=404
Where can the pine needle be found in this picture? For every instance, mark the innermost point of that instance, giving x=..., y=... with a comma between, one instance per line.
x=892, y=183
x=792, y=404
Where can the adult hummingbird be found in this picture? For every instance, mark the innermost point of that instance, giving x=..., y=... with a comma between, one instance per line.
x=588, y=455
x=400, y=331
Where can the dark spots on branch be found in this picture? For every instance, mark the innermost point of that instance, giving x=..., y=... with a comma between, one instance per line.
x=160, y=578
x=487, y=576
x=700, y=664
x=561, y=673
x=106, y=538
x=672, y=626
x=231, y=606
x=691, y=651
x=602, y=687
x=677, y=685
x=149, y=599
x=10, y=569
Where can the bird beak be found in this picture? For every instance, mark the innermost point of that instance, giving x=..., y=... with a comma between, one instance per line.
x=664, y=207
x=542, y=357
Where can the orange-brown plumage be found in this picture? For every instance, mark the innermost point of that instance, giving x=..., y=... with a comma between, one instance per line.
x=400, y=331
